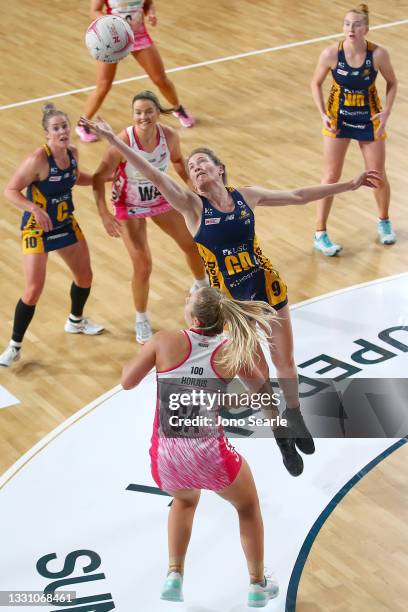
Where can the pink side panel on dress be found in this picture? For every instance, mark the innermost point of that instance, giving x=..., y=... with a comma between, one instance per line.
x=154, y=445
x=142, y=39
x=195, y=463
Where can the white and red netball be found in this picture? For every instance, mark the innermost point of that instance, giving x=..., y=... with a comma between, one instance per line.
x=109, y=39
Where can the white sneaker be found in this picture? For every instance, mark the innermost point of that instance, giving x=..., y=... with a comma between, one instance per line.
x=173, y=587
x=143, y=331
x=10, y=355
x=326, y=246
x=84, y=326
x=259, y=595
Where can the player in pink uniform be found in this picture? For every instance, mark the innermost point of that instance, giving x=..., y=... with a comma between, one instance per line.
x=145, y=53
x=135, y=198
x=185, y=461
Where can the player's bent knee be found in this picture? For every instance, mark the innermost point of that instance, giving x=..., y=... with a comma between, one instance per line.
x=31, y=295
x=84, y=279
x=142, y=270
x=331, y=177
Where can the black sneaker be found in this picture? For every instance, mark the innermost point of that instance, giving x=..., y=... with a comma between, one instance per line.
x=292, y=461
x=303, y=437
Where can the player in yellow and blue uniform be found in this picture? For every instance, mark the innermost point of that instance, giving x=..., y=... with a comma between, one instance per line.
x=221, y=220
x=48, y=176
x=233, y=257
x=353, y=112
x=353, y=100
x=54, y=195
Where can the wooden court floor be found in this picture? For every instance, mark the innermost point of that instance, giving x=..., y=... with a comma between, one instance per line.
x=257, y=112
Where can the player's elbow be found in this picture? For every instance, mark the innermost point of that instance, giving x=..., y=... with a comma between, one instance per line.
x=127, y=381
x=299, y=196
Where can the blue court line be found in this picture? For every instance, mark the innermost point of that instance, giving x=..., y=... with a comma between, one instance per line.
x=291, y=595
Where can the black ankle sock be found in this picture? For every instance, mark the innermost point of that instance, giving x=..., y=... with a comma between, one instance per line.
x=22, y=319
x=79, y=295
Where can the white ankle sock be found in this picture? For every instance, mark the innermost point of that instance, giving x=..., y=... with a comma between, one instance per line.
x=320, y=233
x=141, y=317
x=15, y=344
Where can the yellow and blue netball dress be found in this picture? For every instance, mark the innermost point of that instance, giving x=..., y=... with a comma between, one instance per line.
x=232, y=256
x=54, y=195
x=353, y=98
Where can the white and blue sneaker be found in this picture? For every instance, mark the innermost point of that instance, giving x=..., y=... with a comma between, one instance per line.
x=385, y=231
x=259, y=594
x=323, y=244
x=173, y=587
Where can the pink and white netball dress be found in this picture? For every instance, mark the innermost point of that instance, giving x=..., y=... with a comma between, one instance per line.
x=133, y=195
x=133, y=13
x=196, y=456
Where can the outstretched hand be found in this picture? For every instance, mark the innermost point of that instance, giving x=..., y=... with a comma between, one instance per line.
x=99, y=127
x=371, y=178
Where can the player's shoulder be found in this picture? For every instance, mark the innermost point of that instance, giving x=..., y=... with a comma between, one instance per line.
x=36, y=158
x=378, y=50
x=330, y=53
x=165, y=336
x=170, y=133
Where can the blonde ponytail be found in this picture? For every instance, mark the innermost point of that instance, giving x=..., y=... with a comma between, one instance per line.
x=215, y=311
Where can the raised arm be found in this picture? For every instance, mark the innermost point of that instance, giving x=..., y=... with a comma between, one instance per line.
x=182, y=199
x=258, y=196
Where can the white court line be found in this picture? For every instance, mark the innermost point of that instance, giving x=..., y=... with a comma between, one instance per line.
x=96, y=403
x=219, y=60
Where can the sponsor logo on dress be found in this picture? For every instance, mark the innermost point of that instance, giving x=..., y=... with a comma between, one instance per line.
x=352, y=113
x=208, y=211
x=138, y=210
x=212, y=221
x=55, y=178
x=355, y=72
x=341, y=64
x=358, y=126
x=63, y=198
x=342, y=72
x=230, y=217
x=66, y=175
x=55, y=236
x=53, y=170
